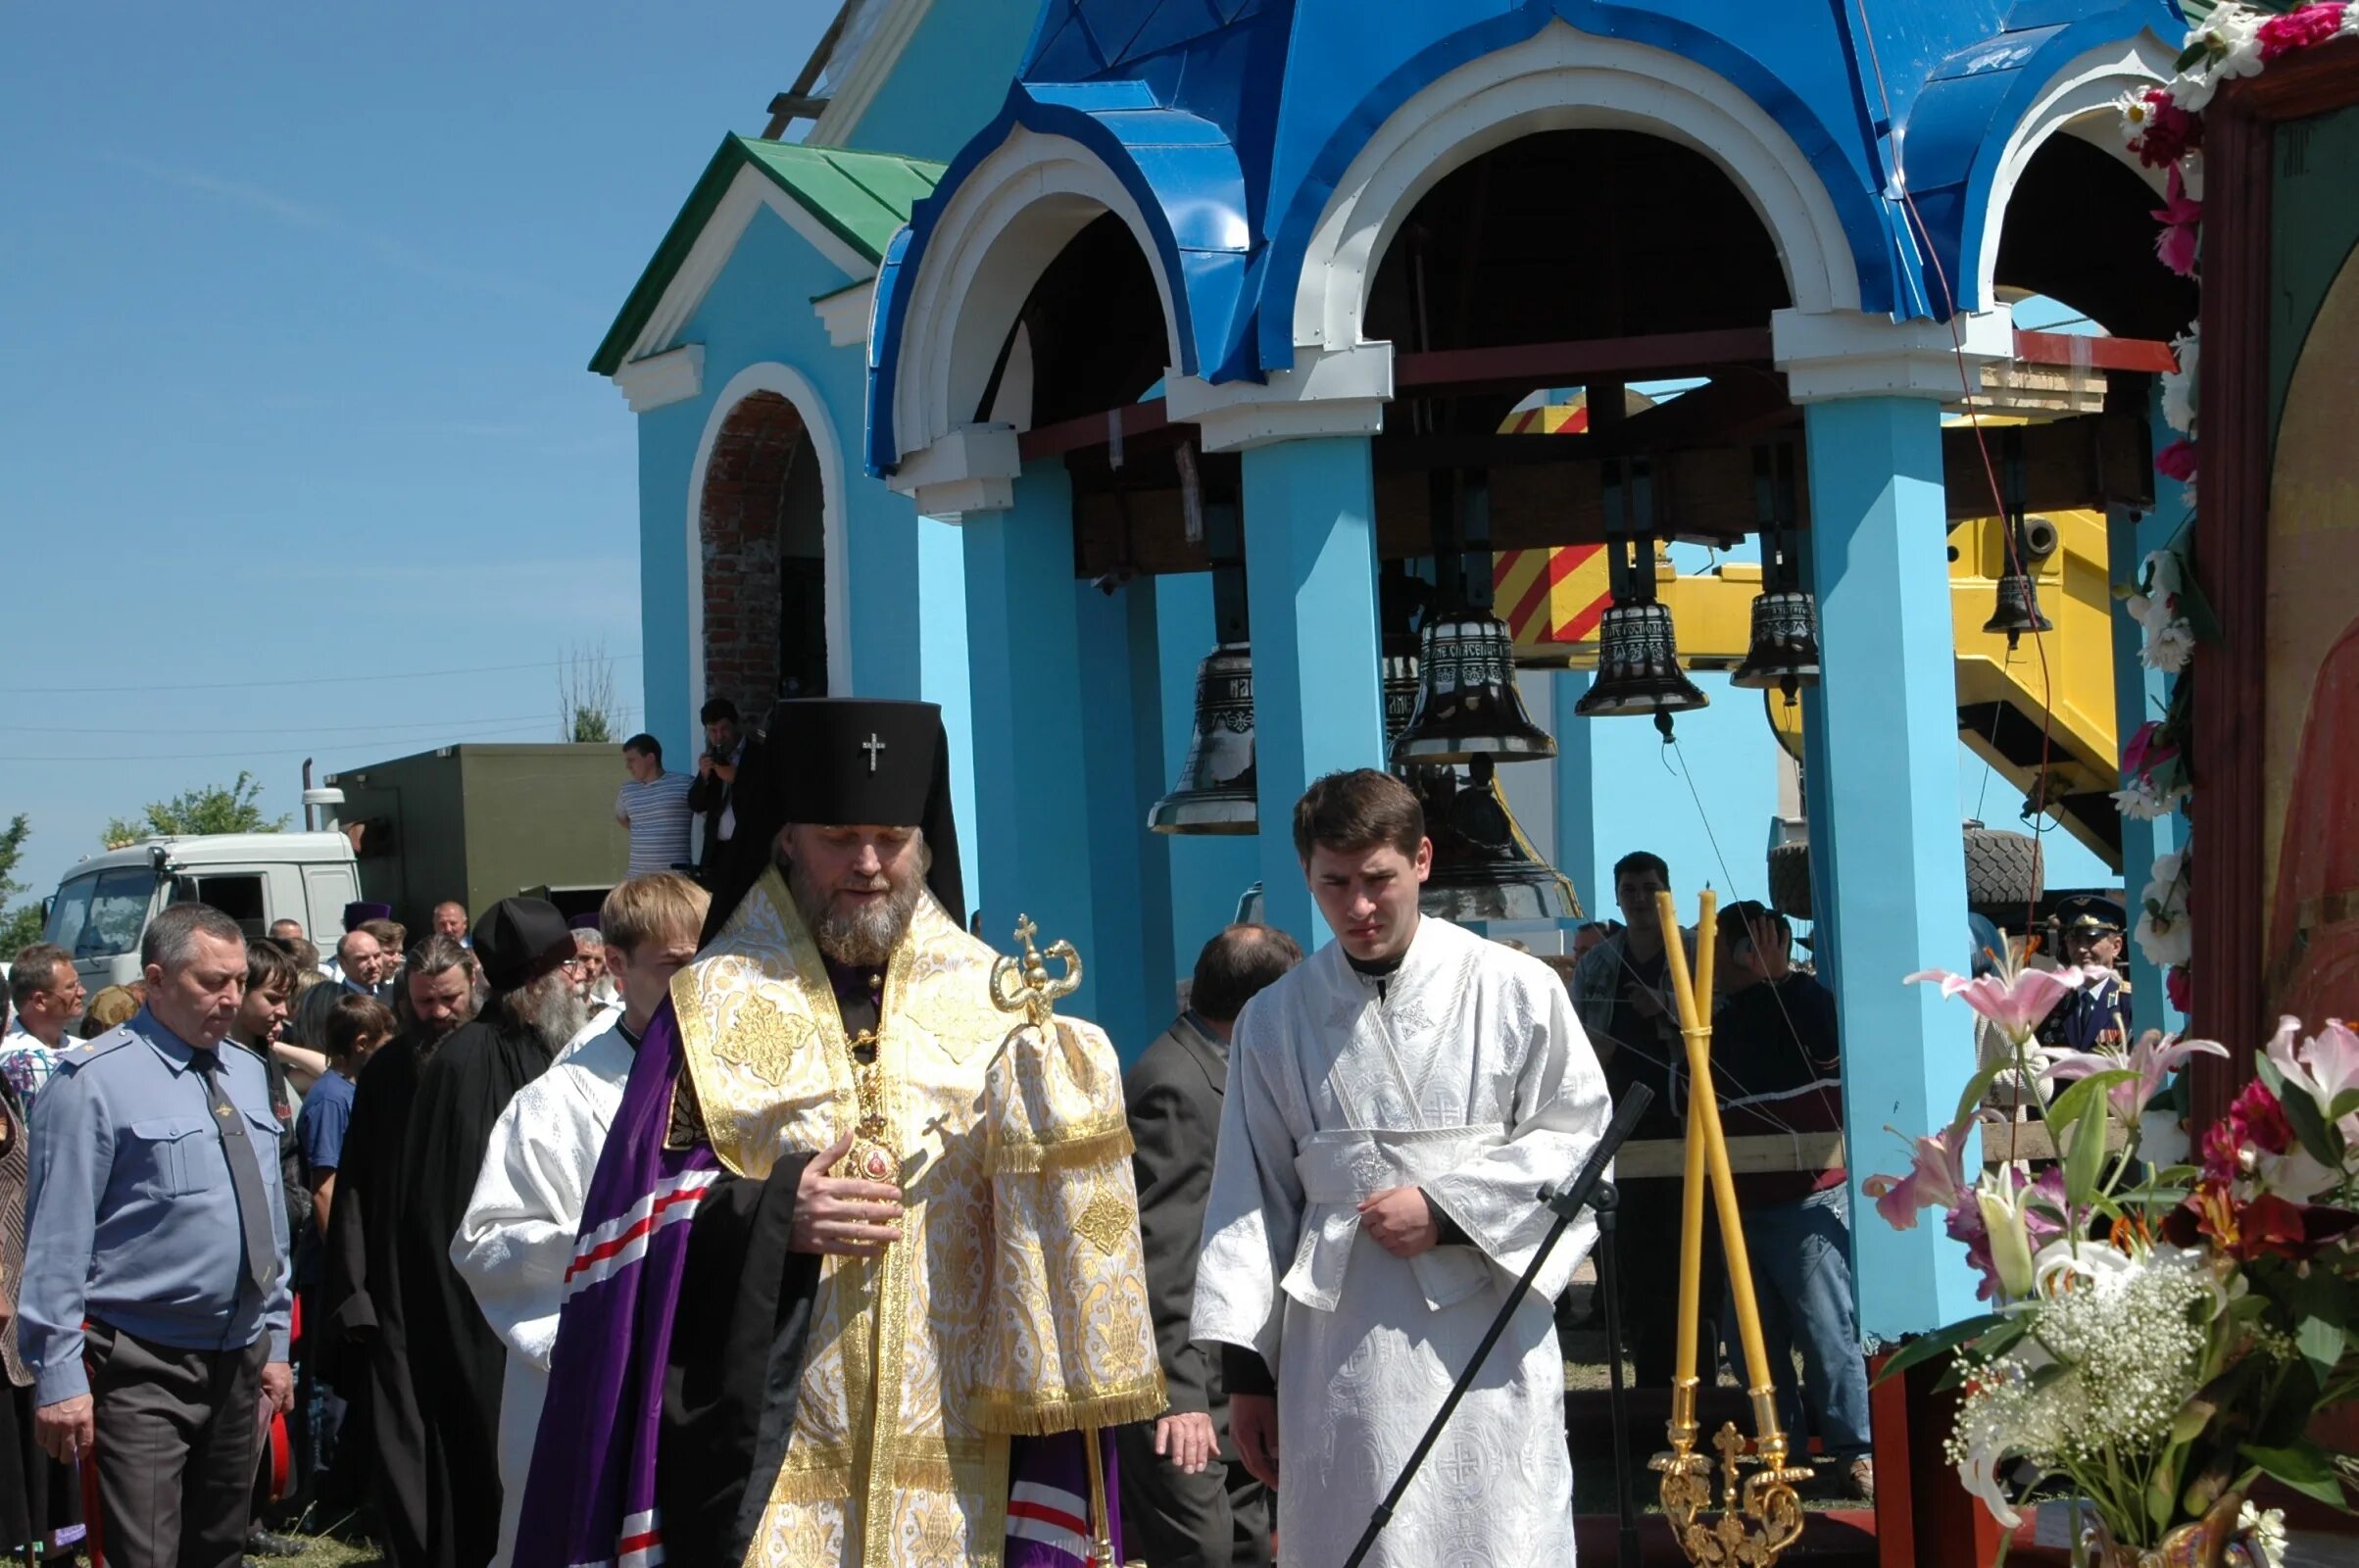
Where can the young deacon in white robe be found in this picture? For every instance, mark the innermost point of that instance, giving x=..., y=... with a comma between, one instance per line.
x=516, y=1236
x=1394, y=1105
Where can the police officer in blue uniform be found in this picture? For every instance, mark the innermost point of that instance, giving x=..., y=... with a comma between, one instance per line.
x=2096, y=1016
x=155, y=1299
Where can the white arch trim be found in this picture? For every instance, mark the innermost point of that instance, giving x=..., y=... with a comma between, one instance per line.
x=2077, y=100
x=1562, y=79
x=1002, y=228
x=794, y=386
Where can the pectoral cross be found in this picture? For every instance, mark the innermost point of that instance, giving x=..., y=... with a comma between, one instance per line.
x=872, y=746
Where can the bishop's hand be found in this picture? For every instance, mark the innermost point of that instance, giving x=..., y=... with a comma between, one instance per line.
x=842, y=1214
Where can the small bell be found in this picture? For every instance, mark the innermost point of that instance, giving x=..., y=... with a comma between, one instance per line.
x=1467, y=702
x=1637, y=666
x=1216, y=792
x=2018, y=608
x=1784, y=650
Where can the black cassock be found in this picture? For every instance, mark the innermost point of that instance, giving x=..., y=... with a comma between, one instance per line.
x=427, y=1364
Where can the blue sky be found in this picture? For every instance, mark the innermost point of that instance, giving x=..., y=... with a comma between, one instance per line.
x=298, y=300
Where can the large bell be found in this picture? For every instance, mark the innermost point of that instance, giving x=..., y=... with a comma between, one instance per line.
x=1783, y=651
x=1637, y=666
x=1401, y=686
x=1468, y=704
x=2018, y=608
x=1217, y=788
x=1484, y=867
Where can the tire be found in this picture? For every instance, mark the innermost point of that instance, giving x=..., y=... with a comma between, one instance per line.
x=2004, y=872
x=1790, y=880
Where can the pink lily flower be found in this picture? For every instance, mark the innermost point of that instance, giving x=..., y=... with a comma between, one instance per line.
x=2181, y=216
x=2154, y=1058
x=2016, y=1002
x=2301, y=29
x=1937, y=1179
x=2176, y=461
x=2326, y=1069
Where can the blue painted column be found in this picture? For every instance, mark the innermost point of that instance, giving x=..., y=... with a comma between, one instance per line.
x=1032, y=795
x=1310, y=573
x=1882, y=794
x=942, y=673
x=2141, y=694
x=1130, y=867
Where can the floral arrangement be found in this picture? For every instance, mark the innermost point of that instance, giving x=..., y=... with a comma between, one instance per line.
x=2164, y=127
x=2160, y=1338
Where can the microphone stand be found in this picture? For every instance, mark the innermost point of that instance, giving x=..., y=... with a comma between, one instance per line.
x=1567, y=1203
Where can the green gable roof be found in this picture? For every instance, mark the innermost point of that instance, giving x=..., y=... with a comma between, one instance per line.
x=861, y=197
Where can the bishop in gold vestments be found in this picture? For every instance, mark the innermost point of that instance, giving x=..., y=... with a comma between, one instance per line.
x=825, y=1396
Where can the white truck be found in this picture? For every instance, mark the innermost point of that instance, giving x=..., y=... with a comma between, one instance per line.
x=102, y=903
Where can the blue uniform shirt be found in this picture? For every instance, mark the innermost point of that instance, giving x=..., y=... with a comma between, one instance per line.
x=133, y=1220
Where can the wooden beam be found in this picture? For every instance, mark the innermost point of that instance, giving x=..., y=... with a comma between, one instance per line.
x=1659, y=355
x=2096, y=352
x=1145, y=422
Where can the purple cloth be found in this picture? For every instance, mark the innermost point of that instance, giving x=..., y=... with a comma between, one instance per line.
x=1049, y=1495
x=590, y=1496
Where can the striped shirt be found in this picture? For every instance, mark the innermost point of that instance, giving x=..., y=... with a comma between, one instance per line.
x=658, y=815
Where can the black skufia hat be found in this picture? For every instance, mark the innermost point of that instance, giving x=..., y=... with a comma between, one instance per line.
x=841, y=761
x=519, y=940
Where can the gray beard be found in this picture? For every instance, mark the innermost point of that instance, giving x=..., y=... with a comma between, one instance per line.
x=549, y=1010
x=864, y=939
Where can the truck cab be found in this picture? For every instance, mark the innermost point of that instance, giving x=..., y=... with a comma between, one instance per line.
x=101, y=906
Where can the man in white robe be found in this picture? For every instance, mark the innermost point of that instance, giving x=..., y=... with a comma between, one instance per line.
x=517, y=1237
x=1395, y=1104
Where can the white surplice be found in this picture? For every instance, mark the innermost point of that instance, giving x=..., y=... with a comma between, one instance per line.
x=516, y=1236
x=1472, y=1080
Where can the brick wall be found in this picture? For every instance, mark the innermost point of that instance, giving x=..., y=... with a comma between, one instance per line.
x=745, y=492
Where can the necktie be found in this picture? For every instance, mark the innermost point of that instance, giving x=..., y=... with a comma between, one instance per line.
x=245, y=1174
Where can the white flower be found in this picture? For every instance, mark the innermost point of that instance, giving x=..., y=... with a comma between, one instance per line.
x=2350, y=22
x=2136, y=115
x=2266, y=1527
x=2166, y=940
x=2231, y=39
x=2143, y=800
x=2178, y=385
x=2168, y=646
x=2163, y=573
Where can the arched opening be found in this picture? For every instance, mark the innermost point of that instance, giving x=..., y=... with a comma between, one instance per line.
x=763, y=557
x=2080, y=229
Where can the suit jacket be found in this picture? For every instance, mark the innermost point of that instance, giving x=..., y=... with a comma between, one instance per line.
x=1174, y=1094
x=709, y=796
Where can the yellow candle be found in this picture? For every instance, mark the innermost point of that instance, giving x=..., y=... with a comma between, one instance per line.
x=1703, y=1111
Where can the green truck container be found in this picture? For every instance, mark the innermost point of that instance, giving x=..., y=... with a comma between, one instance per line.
x=481, y=823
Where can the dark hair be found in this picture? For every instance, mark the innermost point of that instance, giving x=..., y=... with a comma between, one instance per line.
x=1640, y=860
x=271, y=960
x=354, y=1019
x=171, y=938
x=1359, y=809
x=437, y=954
x=34, y=970
x=1236, y=965
x=646, y=745
x=390, y=934
x=1739, y=919
x=718, y=708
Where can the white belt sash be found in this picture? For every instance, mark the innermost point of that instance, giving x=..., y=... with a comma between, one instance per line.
x=1340, y=1168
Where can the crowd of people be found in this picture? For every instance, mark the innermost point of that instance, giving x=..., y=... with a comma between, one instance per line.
x=626, y=1236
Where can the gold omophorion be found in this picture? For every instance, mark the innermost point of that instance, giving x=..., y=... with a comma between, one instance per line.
x=1759, y=1515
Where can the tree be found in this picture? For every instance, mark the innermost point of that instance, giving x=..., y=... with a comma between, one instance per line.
x=211, y=808
x=23, y=923
x=585, y=696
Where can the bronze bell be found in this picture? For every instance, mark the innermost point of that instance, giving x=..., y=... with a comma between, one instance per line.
x=2018, y=608
x=1468, y=704
x=1401, y=686
x=1637, y=666
x=1484, y=867
x=1784, y=650
x=1217, y=788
